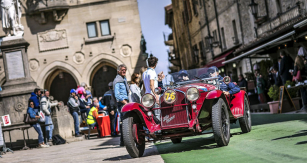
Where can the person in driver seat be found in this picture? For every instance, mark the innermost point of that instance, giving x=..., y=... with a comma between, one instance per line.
x=228, y=89
x=183, y=76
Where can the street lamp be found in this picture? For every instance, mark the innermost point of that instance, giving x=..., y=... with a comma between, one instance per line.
x=209, y=39
x=254, y=8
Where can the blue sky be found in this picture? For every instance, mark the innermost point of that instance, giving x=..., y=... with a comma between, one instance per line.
x=152, y=17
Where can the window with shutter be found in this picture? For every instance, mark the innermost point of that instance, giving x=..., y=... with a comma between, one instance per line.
x=195, y=3
x=188, y=9
x=201, y=47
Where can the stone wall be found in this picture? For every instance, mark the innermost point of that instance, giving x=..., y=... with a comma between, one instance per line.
x=74, y=52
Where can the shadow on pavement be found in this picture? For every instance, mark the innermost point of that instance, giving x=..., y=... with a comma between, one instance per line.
x=187, y=145
x=105, y=148
x=261, y=119
x=302, y=142
x=148, y=152
x=111, y=141
x=299, y=134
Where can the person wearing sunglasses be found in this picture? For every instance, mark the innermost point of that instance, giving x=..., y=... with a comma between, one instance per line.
x=121, y=92
x=33, y=113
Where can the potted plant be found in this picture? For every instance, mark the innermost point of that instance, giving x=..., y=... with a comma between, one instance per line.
x=273, y=94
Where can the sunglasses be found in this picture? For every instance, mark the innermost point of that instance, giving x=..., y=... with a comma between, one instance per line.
x=31, y=104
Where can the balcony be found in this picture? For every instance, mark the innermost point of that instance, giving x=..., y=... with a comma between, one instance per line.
x=48, y=5
x=168, y=39
x=173, y=58
x=39, y=8
x=282, y=19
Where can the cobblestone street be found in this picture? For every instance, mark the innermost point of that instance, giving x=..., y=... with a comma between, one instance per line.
x=94, y=150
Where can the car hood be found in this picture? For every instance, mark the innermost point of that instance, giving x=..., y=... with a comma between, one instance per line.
x=200, y=86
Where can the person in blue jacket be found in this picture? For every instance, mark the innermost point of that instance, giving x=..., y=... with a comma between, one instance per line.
x=35, y=97
x=33, y=113
x=228, y=89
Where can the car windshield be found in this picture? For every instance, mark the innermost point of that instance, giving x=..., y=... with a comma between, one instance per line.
x=190, y=76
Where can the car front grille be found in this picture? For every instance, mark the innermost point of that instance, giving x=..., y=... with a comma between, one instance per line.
x=175, y=115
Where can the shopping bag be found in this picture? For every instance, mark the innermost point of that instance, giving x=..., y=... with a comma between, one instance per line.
x=42, y=116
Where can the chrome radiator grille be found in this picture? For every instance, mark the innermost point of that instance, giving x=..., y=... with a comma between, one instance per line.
x=176, y=115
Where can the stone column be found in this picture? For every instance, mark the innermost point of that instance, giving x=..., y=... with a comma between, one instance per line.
x=19, y=83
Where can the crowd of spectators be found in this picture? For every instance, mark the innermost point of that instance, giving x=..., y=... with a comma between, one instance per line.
x=284, y=70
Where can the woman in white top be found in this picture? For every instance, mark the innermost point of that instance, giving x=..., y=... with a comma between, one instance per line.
x=135, y=89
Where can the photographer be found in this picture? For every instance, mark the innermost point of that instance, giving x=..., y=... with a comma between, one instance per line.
x=73, y=104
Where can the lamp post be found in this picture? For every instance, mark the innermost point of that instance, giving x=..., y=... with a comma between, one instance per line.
x=254, y=8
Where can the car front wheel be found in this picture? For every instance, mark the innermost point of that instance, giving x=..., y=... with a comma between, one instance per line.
x=133, y=139
x=246, y=121
x=220, y=123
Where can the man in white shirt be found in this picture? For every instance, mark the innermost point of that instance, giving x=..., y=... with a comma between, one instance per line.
x=150, y=80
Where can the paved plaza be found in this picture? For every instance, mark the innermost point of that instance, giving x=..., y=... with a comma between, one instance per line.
x=94, y=150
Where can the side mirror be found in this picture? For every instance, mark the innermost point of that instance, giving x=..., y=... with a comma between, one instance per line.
x=226, y=80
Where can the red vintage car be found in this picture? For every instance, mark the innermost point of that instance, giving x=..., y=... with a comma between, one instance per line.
x=191, y=103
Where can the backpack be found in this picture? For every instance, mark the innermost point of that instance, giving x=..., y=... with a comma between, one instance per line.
x=57, y=140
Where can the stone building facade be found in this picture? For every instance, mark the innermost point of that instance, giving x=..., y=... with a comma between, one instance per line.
x=80, y=41
x=225, y=29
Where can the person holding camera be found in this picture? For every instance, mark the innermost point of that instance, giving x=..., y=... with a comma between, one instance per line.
x=73, y=105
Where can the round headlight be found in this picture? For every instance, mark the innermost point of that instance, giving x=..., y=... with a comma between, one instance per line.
x=192, y=94
x=148, y=100
x=169, y=96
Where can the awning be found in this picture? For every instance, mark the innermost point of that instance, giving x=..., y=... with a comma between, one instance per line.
x=218, y=62
x=259, y=48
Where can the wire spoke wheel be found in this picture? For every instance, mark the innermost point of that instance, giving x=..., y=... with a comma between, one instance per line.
x=221, y=122
x=246, y=120
x=134, y=138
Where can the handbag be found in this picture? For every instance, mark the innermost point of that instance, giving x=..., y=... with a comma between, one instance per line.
x=29, y=120
x=298, y=76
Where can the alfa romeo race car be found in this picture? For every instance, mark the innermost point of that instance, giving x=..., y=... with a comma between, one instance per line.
x=189, y=105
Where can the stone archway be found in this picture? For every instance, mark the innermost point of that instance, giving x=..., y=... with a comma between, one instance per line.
x=59, y=83
x=100, y=77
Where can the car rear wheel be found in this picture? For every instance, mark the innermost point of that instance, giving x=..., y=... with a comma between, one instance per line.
x=246, y=121
x=220, y=123
x=133, y=139
x=176, y=140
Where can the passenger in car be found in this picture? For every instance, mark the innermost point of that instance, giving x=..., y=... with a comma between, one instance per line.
x=228, y=89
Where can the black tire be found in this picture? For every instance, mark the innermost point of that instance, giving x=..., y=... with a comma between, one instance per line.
x=134, y=149
x=246, y=121
x=176, y=140
x=220, y=123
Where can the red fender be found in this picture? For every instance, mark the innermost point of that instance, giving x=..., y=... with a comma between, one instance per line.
x=141, y=111
x=214, y=94
x=237, y=104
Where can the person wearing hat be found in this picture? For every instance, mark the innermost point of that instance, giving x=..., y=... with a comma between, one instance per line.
x=228, y=89
x=183, y=75
x=109, y=100
x=73, y=105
